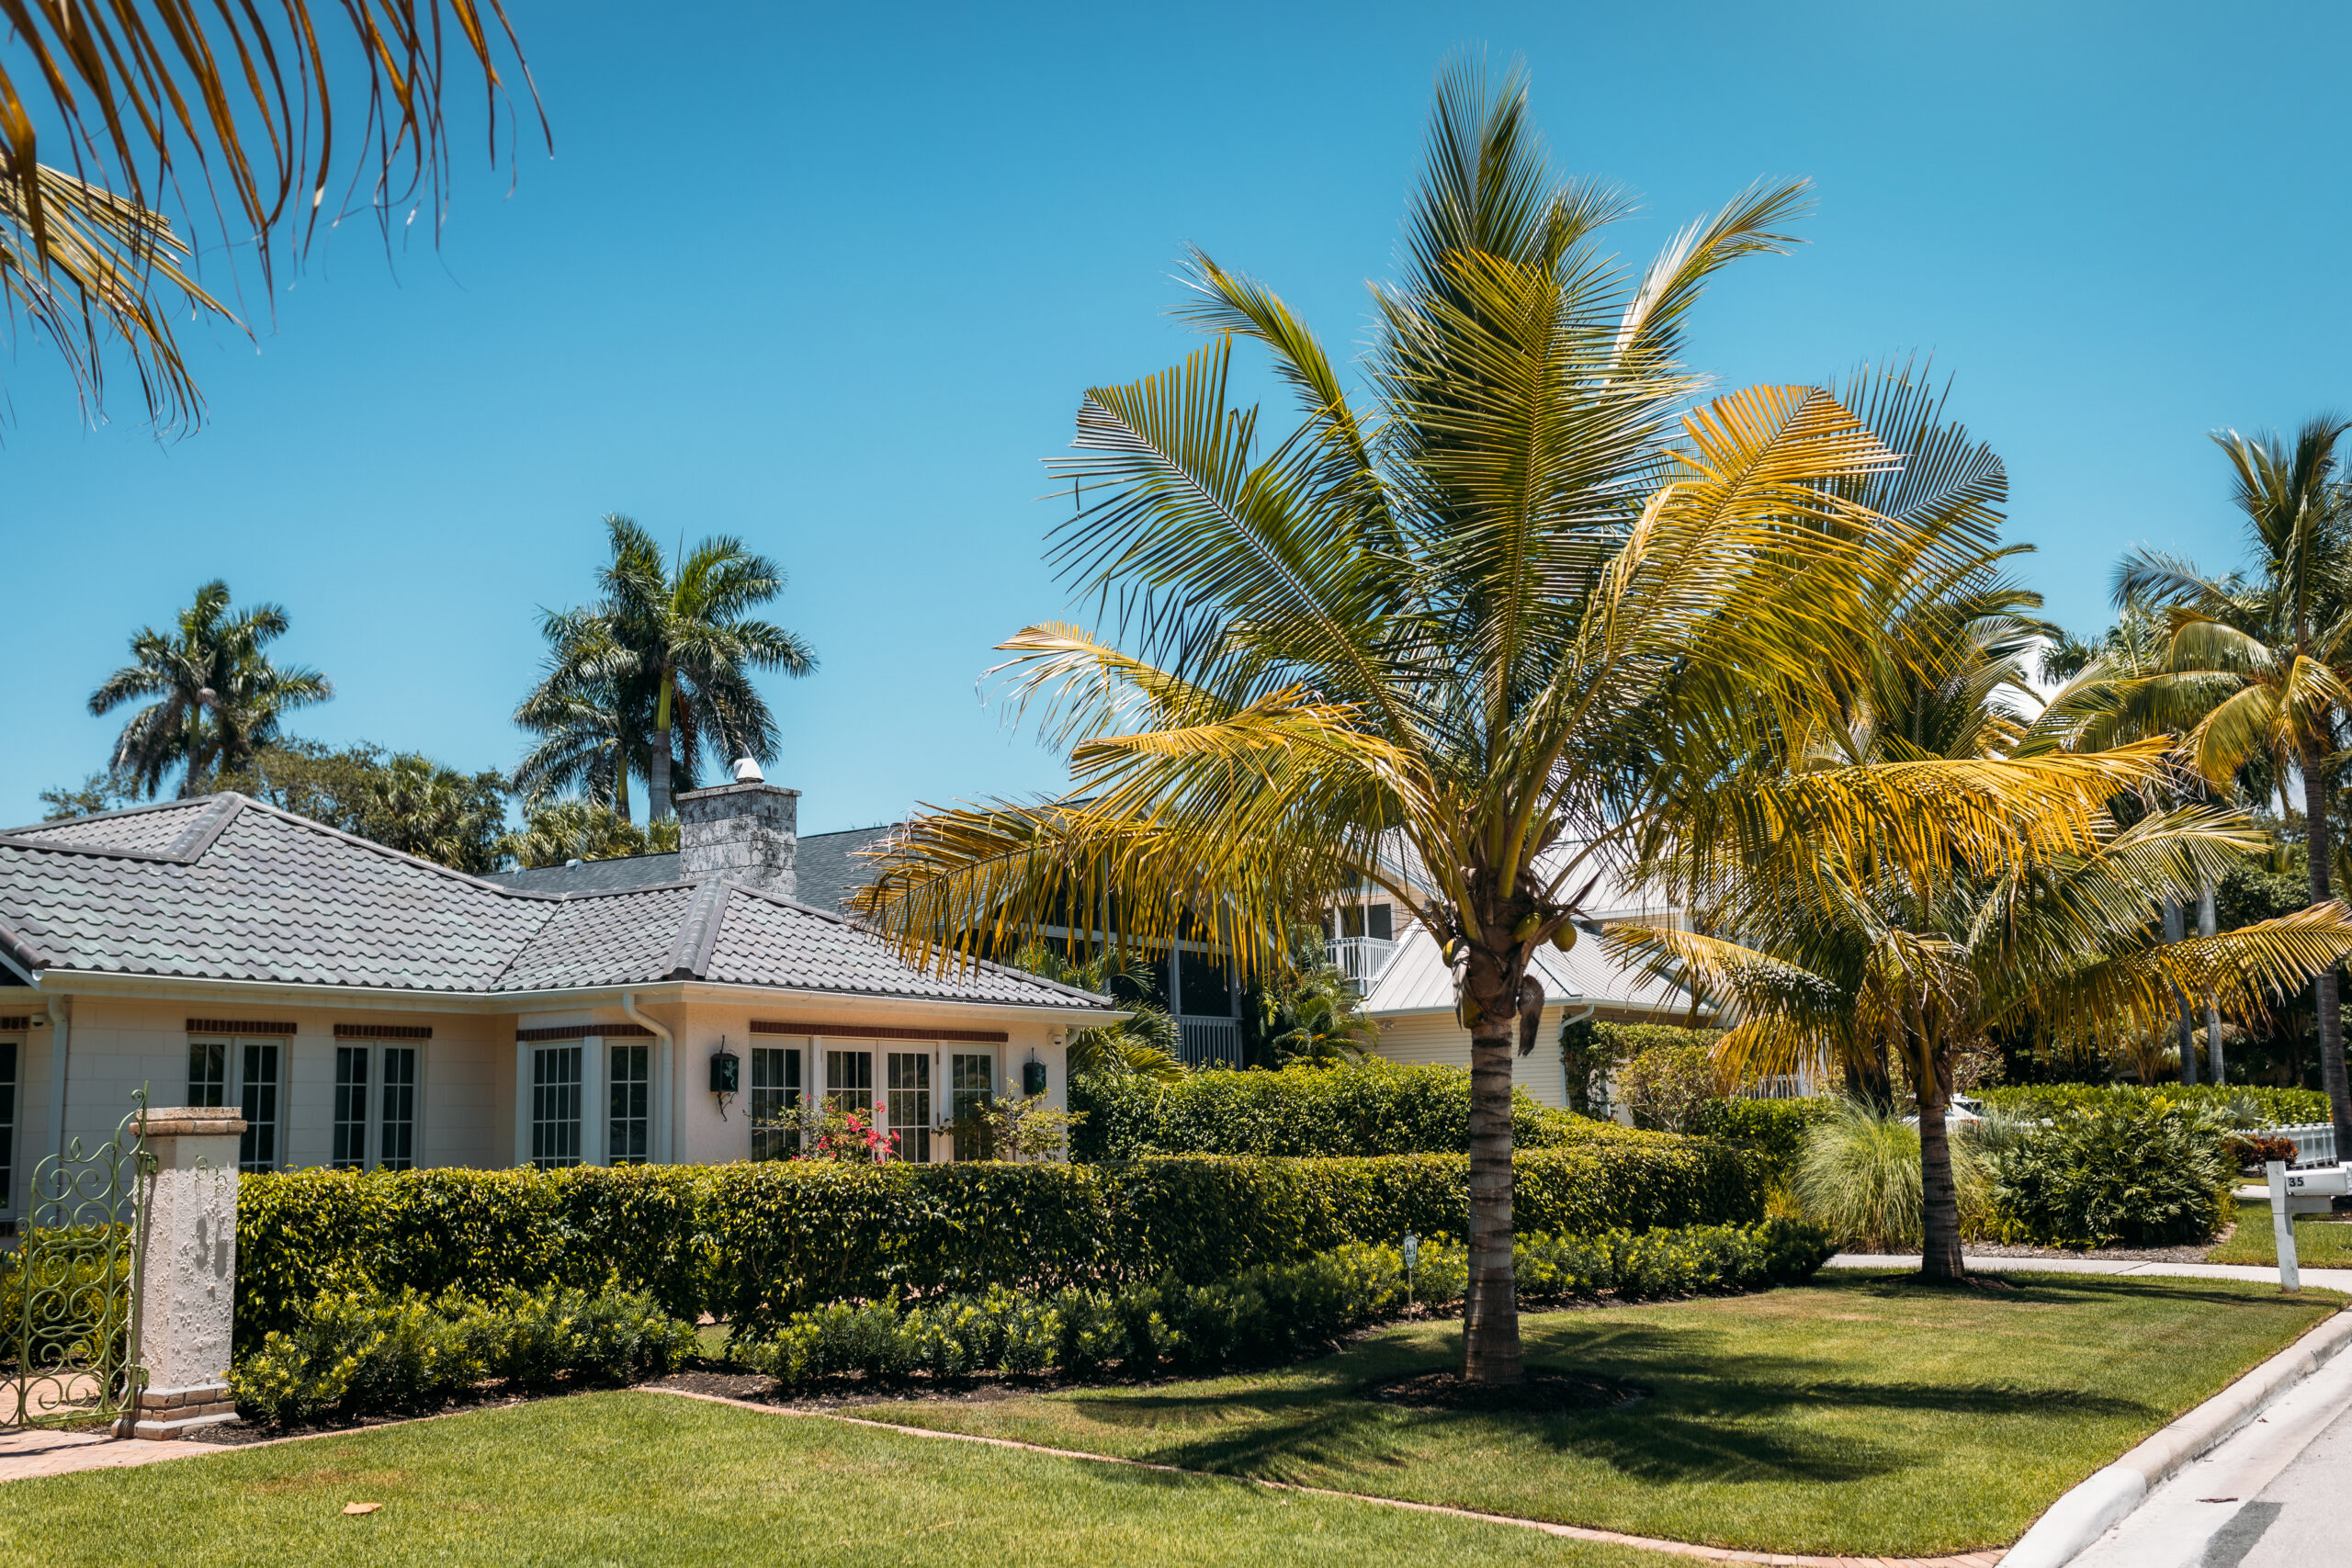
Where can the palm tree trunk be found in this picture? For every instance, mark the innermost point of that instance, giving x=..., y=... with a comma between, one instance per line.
x=2183, y=1032
x=657, y=766
x=2207, y=924
x=2323, y=994
x=1491, y=1352
x=657, y=783
x=1940, y=1260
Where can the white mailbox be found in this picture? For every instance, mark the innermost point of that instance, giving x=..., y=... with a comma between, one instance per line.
x=2315, y=1191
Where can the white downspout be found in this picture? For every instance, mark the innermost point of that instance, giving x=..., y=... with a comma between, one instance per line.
x=666, y=1117
x=61, y=1025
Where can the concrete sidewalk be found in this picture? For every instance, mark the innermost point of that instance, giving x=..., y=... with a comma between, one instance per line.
x=2318, y=1279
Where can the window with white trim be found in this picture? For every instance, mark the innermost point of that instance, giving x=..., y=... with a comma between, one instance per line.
x=396, y=1108
x=849, y=1080
x=555, y=1106
x=971, y=1084
x=630, y=1089
x=348, y=1148
x=248, y=1074
x=909, y=1102
x=776, y=1101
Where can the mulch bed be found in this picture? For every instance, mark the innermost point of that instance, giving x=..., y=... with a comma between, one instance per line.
x=1538, y=1392
x=237, y=1434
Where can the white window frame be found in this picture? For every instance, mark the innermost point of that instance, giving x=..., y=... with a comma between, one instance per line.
x=608, y=1155
x=371, y=1109
x=792, y=1099
x=914, y=1136
x=232, y=1089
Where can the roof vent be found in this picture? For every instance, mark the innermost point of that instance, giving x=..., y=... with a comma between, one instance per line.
x=748, y=771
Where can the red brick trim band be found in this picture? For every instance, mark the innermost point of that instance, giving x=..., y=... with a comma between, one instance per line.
x=876, y=1031
x=583, y=1032
x=383, y=1032
x=15, y=1023
x=236, y=1026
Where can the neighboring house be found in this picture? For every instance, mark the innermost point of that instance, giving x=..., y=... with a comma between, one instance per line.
x=365, y=1008
x=1409, y=989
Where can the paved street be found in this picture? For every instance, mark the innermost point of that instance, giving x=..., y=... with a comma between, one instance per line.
x=2272, y=1495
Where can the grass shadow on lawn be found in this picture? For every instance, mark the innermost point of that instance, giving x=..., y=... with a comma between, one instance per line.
x=1962, y=1412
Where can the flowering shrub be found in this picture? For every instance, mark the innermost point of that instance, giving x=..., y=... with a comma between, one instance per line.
x=850, y=1134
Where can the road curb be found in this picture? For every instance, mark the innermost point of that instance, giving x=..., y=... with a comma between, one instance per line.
x=2096, y=1506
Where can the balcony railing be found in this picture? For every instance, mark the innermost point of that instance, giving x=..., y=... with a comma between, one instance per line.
x=1208, y=1041
x=1360, y=958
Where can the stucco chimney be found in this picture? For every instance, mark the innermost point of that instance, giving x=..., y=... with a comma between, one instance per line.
x=744, y=832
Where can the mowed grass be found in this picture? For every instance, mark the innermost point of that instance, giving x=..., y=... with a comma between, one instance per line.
x=2319, y=1244
x=629, y=1478
x=1861, y=1414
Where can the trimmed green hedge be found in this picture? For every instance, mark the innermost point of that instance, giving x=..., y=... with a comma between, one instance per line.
x=1367, y=1107
x=2284, y=1106
x=1775, y=1129
x=755, y=1242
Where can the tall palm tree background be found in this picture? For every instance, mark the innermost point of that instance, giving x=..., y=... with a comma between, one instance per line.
x=1855, y=960
x=1527, y=605
x=213, y=696
x=660, y=668
x=232, y=115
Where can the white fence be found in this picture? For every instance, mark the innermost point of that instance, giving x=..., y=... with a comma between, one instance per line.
x=1360, y=958
x=1209, y=1041
x=2314, y=1140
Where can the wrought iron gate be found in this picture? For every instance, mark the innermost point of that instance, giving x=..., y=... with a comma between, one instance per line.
x=69, y=1293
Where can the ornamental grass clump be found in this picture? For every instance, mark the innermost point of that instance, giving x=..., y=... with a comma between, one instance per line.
x=1859, y=1178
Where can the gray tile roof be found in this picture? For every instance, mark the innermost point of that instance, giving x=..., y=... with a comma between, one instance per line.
x=228, y=888
x=826, y=870
x=592, y=876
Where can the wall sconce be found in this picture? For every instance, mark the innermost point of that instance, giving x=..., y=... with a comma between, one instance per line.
x=725, y=1074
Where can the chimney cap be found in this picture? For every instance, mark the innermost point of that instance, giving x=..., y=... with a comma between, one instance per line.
x=747, y=771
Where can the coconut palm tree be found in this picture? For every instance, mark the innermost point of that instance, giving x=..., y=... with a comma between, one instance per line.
x=1846, y=956
x=1512, y=611
x=683, y=630
x=2260, y=662
x=137, y=96
x=591, y=718
x=215, y=694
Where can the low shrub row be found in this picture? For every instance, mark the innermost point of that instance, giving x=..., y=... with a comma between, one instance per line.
x=2282, y=1106
x=1367, y=1107
x=756, y=1242
x=361, y=1352
x=1258, y=1315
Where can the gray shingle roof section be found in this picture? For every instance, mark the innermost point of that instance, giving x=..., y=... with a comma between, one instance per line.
x=765, y=940
x=826, y=868
x=602, y=940
x=143, y=829
x=594, y=875
x=243, y=891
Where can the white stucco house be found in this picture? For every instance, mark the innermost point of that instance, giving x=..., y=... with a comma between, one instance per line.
x=1409, y=990
x=366, y=1009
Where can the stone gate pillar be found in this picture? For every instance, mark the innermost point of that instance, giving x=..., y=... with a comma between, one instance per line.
x=188, y=1284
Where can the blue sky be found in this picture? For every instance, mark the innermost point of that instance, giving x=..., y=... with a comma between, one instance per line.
x=834, y=279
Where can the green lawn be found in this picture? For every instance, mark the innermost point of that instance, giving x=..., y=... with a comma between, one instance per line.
x=1862, y=1413
x=2319, y=1244
x=644, y=1478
